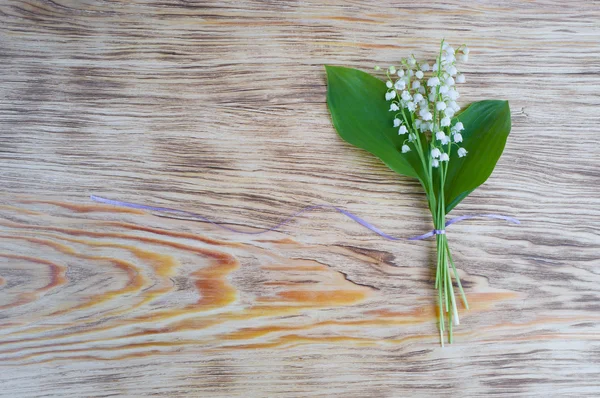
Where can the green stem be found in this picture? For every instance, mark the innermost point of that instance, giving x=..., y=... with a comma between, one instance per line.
x=462, y=292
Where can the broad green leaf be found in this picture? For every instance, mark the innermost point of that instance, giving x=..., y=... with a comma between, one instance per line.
x=361, y=116
x=487, y=125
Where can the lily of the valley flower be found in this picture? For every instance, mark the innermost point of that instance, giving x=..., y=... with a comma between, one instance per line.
x=434, y=81
x=431, y=105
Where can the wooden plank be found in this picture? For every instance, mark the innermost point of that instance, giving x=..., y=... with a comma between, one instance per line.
x=219, y=108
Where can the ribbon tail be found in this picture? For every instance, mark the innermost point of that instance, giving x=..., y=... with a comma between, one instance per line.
x=470, y=216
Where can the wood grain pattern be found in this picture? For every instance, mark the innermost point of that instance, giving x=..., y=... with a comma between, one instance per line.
x=219, y=108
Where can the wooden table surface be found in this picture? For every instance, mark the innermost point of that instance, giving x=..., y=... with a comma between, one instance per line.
x=219, y=108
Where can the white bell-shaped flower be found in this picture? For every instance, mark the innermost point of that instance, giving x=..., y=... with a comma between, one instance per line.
x=453, y=94
x=425, y=114
x=448, y=58
x=433, y=81
x=449, y=111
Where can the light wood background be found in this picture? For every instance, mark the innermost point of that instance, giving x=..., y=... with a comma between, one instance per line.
x=219, y=108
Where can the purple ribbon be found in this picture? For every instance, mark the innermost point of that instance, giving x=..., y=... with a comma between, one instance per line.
x=359, y=220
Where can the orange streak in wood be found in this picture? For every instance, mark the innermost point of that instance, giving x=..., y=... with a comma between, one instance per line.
x=417, y=312
x=294, y=339
x=87, y=208
x=284, y=241
x=174, y=234
x=483, y=301
x=20, y=210
x=320, y=298
x=57, y=278
x=353, y=19
x=213, y=285
x=292, y=268
x=80, y=232
x=252, y=333
x=134, y=283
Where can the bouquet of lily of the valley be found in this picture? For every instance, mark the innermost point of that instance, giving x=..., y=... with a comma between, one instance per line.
x=413, y=122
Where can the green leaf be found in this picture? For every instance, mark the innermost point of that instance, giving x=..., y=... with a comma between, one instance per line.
x=361, y=116
x=487, y=125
